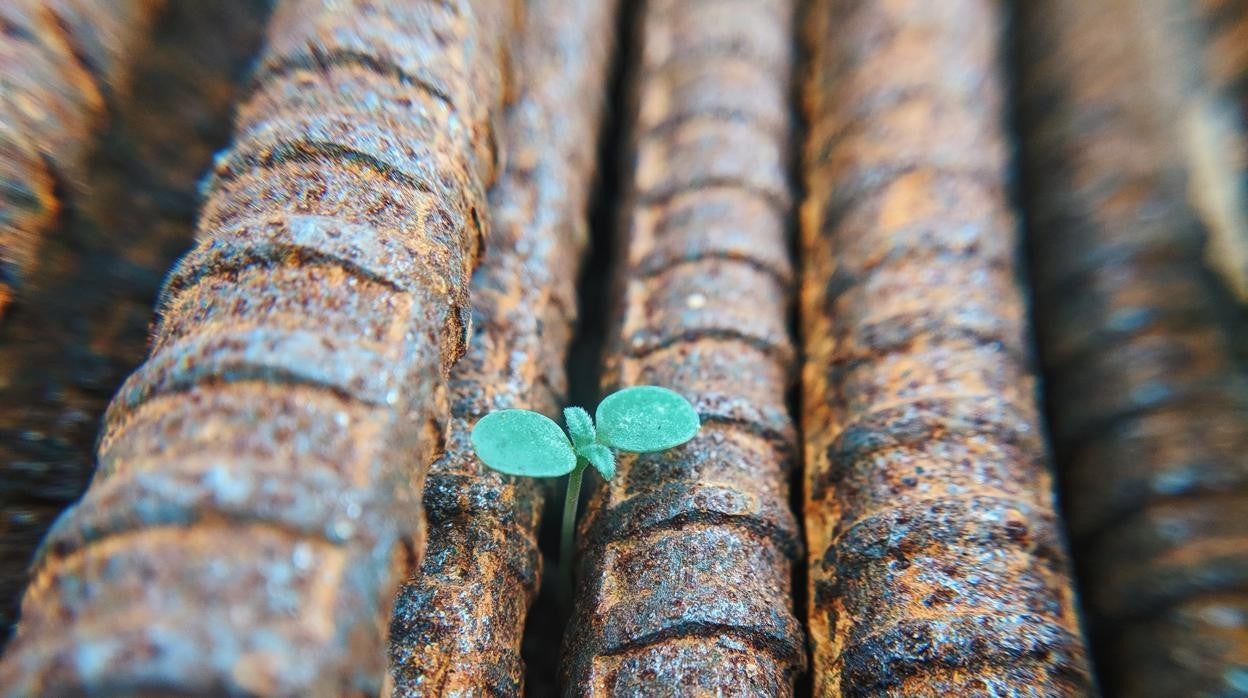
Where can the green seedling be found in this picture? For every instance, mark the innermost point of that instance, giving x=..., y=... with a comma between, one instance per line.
x=642, y=419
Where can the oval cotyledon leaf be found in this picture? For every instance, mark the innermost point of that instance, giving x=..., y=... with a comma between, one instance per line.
x=645, y=418
x=521, y=442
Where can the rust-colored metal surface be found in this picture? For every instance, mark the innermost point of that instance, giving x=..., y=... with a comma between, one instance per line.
x=460, y=617
x=84, y=320
x=1220, y=139
x=60, y=61
x=1226, y=23
x=257, y=494
x=937, y=563
x=1192, y=58
x=1149, y=406
x=687, y=555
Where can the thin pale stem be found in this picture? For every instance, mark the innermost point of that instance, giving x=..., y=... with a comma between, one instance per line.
x=571, y=499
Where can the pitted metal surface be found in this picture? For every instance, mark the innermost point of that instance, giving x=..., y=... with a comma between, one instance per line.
x=259, y=481
x=937, y=563
x=686, y=555
x=460, y=617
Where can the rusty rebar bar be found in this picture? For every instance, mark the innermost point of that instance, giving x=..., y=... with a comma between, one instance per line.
x=60, y=62
x=258, y=487
x=1220, y=171
x=937, y=563
x=1219, y=137
x=460, y=618
x=1194, y=59
x=687, y=555
x=84, y=320
x=1149, y=405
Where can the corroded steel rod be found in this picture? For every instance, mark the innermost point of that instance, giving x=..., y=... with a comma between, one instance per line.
x=257, y=494
x=85, y=318
x=1149, y=404
x=1194, y=60
x=1226, y=23
x=686, y=555
x=937, y=564
x=60, y=62
x=1222, y=145
x=460, y=617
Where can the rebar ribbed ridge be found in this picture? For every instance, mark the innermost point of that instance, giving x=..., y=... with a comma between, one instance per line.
x=937, y=565
x=460, y=617
x=258, y=487
x=84, y=321
x=684, y=583
x=59, y=62
x=1149, y=407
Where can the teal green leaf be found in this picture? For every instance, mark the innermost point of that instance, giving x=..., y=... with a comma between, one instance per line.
x=520, y=442
x=601, y=458
x=646, y=418
x=580, y=426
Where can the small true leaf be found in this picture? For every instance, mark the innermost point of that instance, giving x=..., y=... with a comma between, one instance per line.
x=580, y=426
x=520, y=442
x=646, y=418
x=601, y=458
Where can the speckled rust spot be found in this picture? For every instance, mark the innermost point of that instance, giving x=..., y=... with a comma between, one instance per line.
x=937, y=564
x=686, y=555
x=460, y=617
x=83, y=321
x=257, y=497
x=61, y=63
x=1147, y=396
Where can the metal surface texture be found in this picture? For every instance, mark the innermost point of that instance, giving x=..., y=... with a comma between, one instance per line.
x=257, y=493
x=687, y=555
x=1192, y=58
x=1219, y=137
x=84, y=318
x=1149, y=404
x=937, y=562
x=460, y=617
x=61, y=62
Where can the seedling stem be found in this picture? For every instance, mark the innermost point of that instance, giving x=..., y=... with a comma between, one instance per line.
x=571, y=499
x=641, y=419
